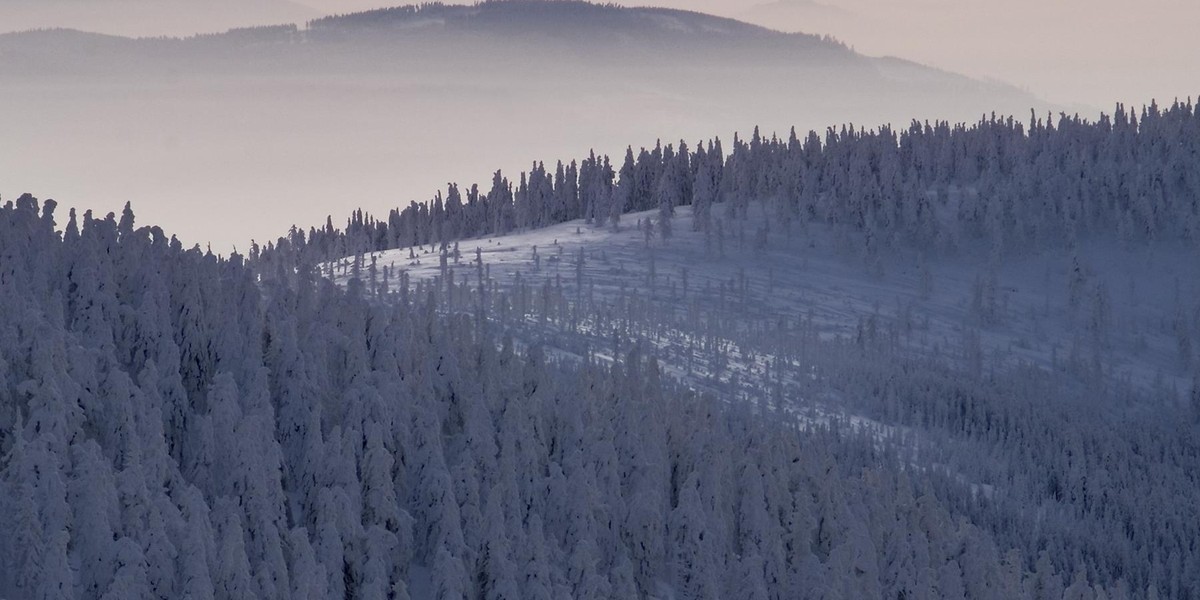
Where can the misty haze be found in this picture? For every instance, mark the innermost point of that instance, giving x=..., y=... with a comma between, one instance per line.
x=541, y=299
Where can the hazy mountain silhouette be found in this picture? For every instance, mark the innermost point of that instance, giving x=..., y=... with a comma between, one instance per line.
x=536, y=32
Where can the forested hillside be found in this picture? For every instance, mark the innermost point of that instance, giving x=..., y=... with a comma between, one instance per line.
x=953, y=359
x=177, y=425
x=1010, y=310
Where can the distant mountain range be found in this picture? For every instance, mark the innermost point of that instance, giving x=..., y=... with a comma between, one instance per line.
x=532, y=39
x=484, y=33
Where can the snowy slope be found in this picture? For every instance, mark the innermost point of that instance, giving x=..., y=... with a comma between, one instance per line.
x=1046, y=391
x=1121, y=320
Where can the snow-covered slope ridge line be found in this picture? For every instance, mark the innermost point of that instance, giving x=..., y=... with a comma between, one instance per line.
x=1121, y=307
x=933, y=357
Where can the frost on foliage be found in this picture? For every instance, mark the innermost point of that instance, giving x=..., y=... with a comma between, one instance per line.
x=178, y=424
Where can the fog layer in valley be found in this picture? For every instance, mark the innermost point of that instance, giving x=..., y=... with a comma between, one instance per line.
x=233, y=137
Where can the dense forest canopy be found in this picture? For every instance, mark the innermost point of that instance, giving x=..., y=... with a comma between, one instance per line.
x=175, y=423
x=177, y=426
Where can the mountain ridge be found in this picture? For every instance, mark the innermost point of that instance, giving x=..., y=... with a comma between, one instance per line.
x=557, y=32
x=496, y=17
x=488, y=11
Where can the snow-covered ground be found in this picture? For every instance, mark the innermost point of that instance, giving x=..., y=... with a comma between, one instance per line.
x=755, y=291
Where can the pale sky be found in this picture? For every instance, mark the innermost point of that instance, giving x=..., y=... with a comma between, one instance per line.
x=1085, y=53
